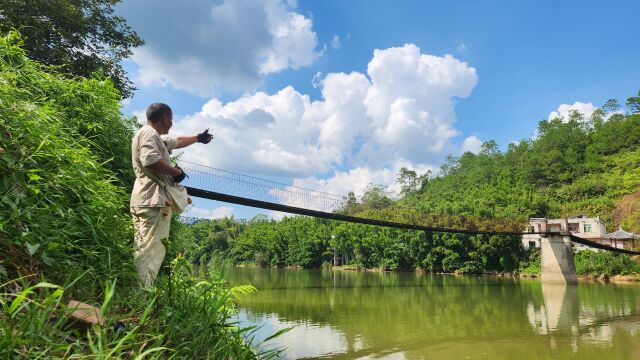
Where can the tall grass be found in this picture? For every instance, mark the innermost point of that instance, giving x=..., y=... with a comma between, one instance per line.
x=35, y=323
x=62, y=209
x=187, y=316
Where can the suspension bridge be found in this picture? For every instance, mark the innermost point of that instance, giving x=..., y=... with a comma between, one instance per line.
x=235, y=188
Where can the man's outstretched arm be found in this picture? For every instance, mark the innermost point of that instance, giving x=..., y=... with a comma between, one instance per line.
x=184, y=141
x=204, y=137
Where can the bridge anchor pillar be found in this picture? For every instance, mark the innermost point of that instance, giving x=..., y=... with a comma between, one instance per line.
x=556, y=261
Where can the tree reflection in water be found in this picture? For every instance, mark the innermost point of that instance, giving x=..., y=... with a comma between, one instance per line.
x=348, y=315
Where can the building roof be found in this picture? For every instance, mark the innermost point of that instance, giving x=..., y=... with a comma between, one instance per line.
x=621, y=235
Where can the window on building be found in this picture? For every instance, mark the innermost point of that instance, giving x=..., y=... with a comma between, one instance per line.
x=574, y=227
x=532, y=244
x=587, y=228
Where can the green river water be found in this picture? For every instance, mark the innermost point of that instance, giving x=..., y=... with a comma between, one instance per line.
x=371, y=315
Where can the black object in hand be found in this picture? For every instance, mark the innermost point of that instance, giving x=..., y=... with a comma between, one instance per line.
x=179, y=178
x=204, y=137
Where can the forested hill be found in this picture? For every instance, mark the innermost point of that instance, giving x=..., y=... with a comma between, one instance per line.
x=573, y=166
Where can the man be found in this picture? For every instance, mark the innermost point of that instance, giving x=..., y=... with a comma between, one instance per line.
x=150, y=151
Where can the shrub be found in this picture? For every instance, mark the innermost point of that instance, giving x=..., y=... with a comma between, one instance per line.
x=605, y=263
x=62, y=208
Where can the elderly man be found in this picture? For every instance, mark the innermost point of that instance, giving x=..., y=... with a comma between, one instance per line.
x=149, y=200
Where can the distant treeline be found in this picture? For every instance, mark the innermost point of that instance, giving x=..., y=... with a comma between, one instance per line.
x=574, y=165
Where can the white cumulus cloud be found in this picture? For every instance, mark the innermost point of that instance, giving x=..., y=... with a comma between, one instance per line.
x=209, y=46
x=217, y=213
x=358, y=179
x=471, y=144
x=362, y=130
x=564, y=110
x=141, y=116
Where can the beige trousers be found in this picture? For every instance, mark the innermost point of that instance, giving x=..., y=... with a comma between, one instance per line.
x=151, y=226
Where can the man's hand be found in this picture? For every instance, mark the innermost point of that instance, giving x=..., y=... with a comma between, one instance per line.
x=204, y=137
x=180, y=177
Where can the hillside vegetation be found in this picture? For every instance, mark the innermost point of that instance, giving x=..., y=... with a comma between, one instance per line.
x=574, y=166
x=66, y=232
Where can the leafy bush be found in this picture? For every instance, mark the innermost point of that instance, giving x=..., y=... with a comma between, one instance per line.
x=197, y=313
x=62, y=208
x=604, y=263
x=530, y=263
x=64, y=160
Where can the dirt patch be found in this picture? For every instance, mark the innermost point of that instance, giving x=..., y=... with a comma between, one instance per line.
x=627, y=212
x=624, y=278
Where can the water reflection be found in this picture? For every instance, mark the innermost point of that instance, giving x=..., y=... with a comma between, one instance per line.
x=606, y=314
x=559, y=312
x=349, y=315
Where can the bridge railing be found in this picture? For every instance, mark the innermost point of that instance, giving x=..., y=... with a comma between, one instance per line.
x=226, y=186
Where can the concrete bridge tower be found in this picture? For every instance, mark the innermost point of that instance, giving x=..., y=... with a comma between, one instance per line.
x=556, y=257
x=556, y=261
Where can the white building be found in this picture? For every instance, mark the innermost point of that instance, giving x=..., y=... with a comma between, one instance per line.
x=584, y=227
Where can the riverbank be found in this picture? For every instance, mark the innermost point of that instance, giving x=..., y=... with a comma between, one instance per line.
x=627, y=278
x=183, y=316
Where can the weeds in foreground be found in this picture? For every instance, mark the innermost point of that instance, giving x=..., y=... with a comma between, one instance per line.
x=184, y=317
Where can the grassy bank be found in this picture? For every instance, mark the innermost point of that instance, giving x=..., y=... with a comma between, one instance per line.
x=590, y=265
x=184, y=317
x=65, y=233
x=599, y=265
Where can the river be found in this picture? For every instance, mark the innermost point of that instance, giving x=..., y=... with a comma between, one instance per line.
x=373, y=315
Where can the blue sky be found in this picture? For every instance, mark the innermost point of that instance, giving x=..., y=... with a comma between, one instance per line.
x=295, y=92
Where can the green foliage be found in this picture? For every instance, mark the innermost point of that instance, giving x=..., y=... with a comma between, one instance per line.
x=410, y=181
x=79, y=36
x=298, y=241
x=66, y=177
x=573, y=166
x=63, y=208
x=34, y=323
x=186, y=317
x=633, y=103
x=605, y=263
x=197, y=309
x=530, y=264
x=309, y=243
x=375, y=197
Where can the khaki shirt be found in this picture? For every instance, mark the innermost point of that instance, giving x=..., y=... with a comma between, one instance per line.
x=147, y=148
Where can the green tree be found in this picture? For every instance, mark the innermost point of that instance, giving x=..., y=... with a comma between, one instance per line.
x=633, y=103
x=611, y=106
x=410, y=182
x=375, y=196
x=82, y=36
